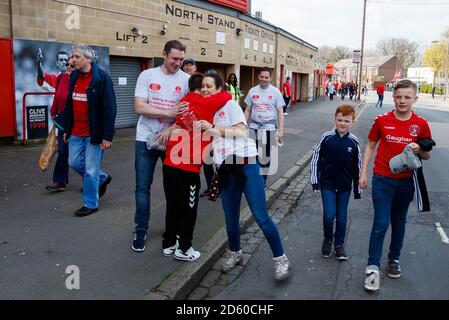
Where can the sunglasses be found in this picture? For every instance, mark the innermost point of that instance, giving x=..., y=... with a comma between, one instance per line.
x=70, y=65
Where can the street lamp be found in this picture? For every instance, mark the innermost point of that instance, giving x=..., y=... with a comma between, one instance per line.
x=445, y=70
x=445, y=78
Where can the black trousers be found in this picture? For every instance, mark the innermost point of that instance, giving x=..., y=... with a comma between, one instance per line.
x=286, y=101
x=181, y=193
x=208, y=173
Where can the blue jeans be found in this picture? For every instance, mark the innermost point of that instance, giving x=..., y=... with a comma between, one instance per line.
x=253, y=188
x=391, y=199
x=145, y=162
x=381, y=100
x=335, y=205
x=61, y=172
x=85, y=158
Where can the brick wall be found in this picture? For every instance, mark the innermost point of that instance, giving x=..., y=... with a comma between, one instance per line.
x=5, y=21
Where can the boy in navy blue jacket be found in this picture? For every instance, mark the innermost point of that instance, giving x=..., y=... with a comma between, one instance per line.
x=335, y=167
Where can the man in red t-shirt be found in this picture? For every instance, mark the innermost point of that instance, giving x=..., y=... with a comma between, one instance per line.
x=287, y=93
x=380, y=94
x=392, y=192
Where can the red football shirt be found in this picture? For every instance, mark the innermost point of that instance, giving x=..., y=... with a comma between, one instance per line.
x=203, y=108
x=287, y=88
x=80, y=105
x=393, y=135
x=381, y=89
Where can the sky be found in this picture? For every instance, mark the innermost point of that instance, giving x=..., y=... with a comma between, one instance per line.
x=332, y=23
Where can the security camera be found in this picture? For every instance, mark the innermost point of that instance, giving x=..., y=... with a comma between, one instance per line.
x=136, y=31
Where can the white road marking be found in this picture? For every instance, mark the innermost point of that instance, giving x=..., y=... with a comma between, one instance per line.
x=443, y=235
x=364, y=106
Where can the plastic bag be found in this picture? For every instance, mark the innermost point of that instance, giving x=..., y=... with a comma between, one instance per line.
x=49, y=151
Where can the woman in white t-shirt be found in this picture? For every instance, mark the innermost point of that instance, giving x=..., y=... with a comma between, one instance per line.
x=235, y=154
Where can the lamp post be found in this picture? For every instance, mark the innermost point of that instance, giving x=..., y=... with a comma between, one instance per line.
x=445, y=80
x=359, y=76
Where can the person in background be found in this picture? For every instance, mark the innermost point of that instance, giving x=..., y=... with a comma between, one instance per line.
x=265, y=113
x=61, y=171
x=189, y=66
x=287, y=94
x=380, y=94
x=232, y=87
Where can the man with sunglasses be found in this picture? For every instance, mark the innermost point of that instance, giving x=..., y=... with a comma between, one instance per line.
x=61, y=171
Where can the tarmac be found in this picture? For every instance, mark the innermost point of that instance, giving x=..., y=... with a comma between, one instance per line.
x=41, y=240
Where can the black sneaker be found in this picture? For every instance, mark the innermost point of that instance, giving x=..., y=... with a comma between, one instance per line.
x=139, y=241
x=84, y=211
x=340, y=253
x=103, y=186
x=326, y=249
x=394, y=269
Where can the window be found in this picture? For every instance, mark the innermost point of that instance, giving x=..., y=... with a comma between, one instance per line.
x=247, y=43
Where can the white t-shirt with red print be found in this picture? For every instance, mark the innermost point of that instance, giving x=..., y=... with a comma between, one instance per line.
x=393, y=135
x=162, y=91
x=230, y=115
x=264, y=105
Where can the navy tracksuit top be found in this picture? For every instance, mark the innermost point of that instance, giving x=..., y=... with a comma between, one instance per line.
x=336, y=163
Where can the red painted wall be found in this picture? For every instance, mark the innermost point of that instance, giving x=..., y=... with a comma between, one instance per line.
x=7, y=94
x=241, y=5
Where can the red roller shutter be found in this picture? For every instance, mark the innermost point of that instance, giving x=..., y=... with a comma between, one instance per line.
x=7, y=90
x=241, y=5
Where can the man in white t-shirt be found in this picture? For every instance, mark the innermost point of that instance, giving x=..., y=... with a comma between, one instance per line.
x=157, y=96
x=265, y=115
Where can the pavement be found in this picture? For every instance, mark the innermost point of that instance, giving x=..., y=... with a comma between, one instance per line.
x=42, y=242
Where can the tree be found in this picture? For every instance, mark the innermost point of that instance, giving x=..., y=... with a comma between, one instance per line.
x=434, y=57
x=406, y=50
x=340, y=53
x=370, y=53
x=328, y=54
x=324, y=54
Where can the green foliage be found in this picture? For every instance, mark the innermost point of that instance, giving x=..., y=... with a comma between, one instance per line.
x=427, y=88
x=435, y=56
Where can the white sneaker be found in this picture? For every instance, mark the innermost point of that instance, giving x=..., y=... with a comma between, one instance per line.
x=285, y=113
x=233, y=260
x=372, y=281
x=168, y=252
x=189, y=255
x=281, y=267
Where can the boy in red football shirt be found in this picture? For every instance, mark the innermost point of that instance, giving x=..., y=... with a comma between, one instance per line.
x=392, y=193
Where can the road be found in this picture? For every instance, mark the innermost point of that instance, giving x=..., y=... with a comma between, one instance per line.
x=425, y=255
